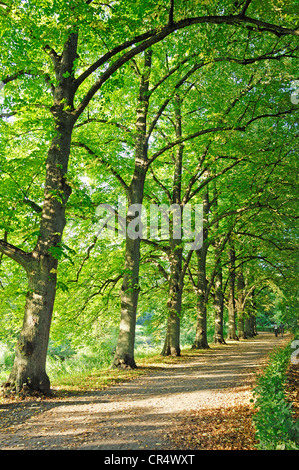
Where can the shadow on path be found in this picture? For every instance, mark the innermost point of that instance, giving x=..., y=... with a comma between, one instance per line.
x=136, y=414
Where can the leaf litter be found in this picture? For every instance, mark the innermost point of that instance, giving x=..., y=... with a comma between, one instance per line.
x=192, y=412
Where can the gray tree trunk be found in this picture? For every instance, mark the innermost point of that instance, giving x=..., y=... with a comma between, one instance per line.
x=201, y=341
x=124, y=354
x=240, y=305
x=174, y=303
x=218, y=306
x=232, y=334
x=29, y=368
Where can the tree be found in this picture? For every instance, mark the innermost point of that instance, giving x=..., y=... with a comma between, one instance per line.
x=232, y=334
x=60, y=62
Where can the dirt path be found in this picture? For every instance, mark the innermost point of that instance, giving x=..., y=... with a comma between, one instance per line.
x=142, y=413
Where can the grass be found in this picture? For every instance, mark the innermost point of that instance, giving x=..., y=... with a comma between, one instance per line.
x=87, y=382
x=107, y=377
x=82, y=373
x=101, y=379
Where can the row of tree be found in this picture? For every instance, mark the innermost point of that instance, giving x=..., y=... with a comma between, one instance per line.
x=163, y=103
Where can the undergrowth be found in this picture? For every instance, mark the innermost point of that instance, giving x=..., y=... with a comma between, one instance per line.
x=274, y=421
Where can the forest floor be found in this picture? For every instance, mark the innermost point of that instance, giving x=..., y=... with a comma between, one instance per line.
x=200, y=401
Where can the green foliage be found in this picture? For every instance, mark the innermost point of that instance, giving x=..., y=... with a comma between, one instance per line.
x=234, y=84
x=274, y=422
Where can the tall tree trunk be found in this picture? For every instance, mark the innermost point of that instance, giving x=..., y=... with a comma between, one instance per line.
x=174, y=303
x=232, y=335
x=253, y=315
x=247, y=328
x=29, y=368
x=201, y=341
x=240, y=305
x=124, y=354
x=218, y=298
x=254, y=326
x=241, y=325
x=218, y=304
x=251, y=325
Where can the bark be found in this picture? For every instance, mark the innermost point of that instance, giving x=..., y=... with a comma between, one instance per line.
x=240, y=305
x=218, y=299
x=174, y=303
x=218, y=306
x=250, y=323
x=253, y=315
x=29, y=368
x=254, y=325
x=232, y=335
x=241, y=326
x=247, y=329
x=201, y=341
x=124, y=354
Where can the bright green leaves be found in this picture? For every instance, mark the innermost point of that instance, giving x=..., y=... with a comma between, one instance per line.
x=223, y=92
x=62, y=251
x=275, y=426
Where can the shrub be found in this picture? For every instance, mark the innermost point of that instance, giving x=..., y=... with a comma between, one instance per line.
x=274, y=423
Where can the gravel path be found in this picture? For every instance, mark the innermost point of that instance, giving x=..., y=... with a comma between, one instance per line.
x=141, y=413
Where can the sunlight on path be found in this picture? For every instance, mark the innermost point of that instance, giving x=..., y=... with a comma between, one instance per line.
x=139, y=414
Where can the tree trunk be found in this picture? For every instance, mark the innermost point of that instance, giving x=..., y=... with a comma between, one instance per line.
x=249, y=325
x=240, y=305
x=254, y=325
x=31, y=350
x=247, y=329
x=201, y=341
x=218, y=307
x=174, y=303
x=29, y=368
x=232, y=335
x=241, y=327
x=124, y=354
x=253, y=315
x=218, y=299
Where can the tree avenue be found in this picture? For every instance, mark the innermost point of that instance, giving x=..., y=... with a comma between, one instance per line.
x=176, y=103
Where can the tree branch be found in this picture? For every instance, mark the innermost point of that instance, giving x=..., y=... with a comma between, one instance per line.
x=195, y=176
x=18, y=255
x=103, y=121
x=211, y=178
x=94, y=154
x=267, y=240
x=170, y=17
x=85, y=259
x=166, y=191
x=245, y=7
x=33, y=205
x=15, y=76
x=190, y=137
x=154, y=259
x=153, y=37
x=176, y=87
x=282, y=113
